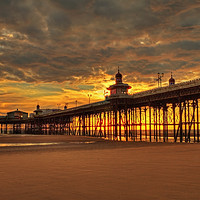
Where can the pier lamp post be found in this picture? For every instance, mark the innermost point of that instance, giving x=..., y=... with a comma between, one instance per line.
x=159, y=79
x=76, y=103
x=89, y=95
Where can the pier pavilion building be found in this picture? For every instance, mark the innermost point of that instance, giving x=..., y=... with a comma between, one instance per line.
x=119, y=88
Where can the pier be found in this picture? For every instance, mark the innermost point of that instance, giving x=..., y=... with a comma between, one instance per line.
x=165, y=114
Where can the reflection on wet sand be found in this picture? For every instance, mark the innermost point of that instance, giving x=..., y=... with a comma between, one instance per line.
x=25, y=144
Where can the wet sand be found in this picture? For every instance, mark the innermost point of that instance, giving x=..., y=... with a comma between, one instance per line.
x=83, y=168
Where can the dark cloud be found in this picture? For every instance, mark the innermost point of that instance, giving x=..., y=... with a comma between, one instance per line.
x=186, y=45
x=163, y=49
x=48, y=41
x=66, y=60
x=189, y=18
x=58, y=23
x=110, y=9
x=71, y=4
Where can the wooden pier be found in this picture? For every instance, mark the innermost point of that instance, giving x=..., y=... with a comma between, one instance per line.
x=163, y=114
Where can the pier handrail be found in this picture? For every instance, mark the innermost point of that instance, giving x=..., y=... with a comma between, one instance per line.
x=99, y=103
x=183, y=85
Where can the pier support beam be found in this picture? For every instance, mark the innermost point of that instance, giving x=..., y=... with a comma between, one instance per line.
x=194, y=121
x=185, y=111
x=156, y=123
x=159, y=126
x=140, y=123
x=108, y=124
x=145, y=118
x=188, y=103
x=149, y=123
x=197, y=120
x=83, y=125
x=105, y=129
x=180, y=121
x=126, y=124
x=165, y=123
x=120, y=125
x=174, y=120
x=115, y=124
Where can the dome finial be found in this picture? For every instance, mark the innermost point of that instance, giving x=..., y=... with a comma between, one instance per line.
x=171, y=80
x=118, y=77
x=38, y=106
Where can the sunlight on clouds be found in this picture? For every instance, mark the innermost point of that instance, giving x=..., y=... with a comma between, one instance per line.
x=57, y=52
x=9, y=35
x=6, y=34
x=158, y=42
x=147, y=40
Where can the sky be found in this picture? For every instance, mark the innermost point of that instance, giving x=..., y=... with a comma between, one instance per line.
x=54, y=52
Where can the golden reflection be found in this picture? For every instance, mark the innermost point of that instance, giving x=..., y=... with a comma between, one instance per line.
x=25, y=144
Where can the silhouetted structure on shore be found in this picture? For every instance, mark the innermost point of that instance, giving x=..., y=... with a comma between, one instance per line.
x=162, y=114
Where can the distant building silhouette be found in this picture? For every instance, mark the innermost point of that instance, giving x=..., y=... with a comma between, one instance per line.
x=17, y=114
x=39, y=111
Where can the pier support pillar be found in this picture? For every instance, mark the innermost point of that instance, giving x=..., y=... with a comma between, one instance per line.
x=194, y=120
x=174, y=120
x=83, y=126
x=145, y=123
x=149, y=123
x=165, y=123
x=120, y=125
x=197, y=120
x=115, y=124
x=140, y=110
x=180, y=122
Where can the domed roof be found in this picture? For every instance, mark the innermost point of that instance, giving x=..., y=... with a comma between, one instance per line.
x=171, y=80
x=118, y=75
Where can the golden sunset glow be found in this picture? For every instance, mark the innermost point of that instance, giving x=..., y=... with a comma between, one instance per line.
x=57, y=52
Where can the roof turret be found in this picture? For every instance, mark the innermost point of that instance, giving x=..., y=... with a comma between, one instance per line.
x=118, y=77
x=171, y=80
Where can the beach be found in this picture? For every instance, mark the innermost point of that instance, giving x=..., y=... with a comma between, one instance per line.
x=84, y=168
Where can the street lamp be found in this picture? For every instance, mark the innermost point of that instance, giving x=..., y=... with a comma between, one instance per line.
x=58, y=105
x=89, y=95
x=159, y=79
x=76, y=103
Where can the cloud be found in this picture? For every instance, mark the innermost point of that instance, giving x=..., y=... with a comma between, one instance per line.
x=80, y=43
x=71, y=4
x=189, y=18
